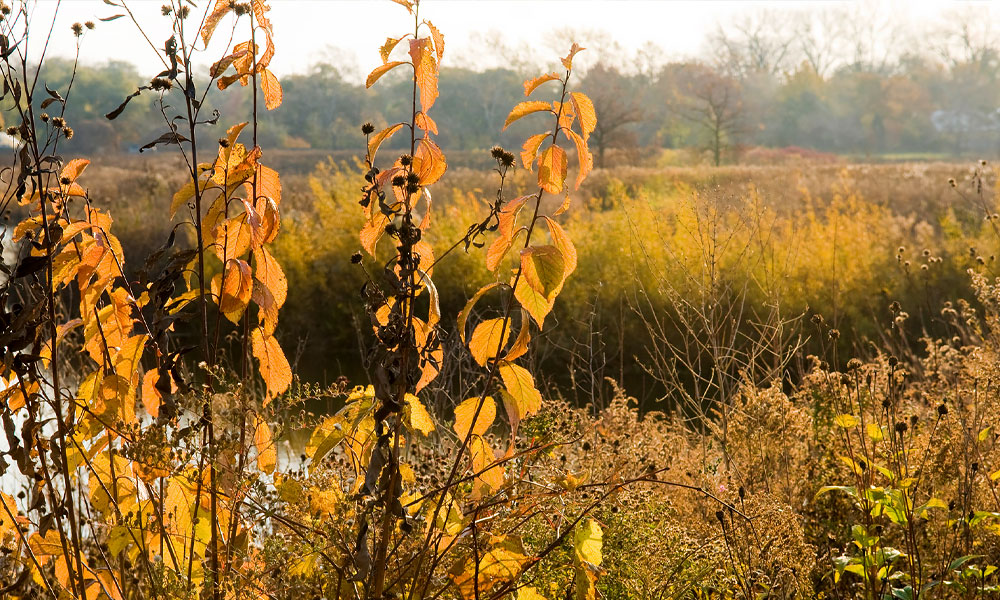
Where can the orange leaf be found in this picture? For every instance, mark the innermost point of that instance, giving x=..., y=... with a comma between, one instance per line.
x=567, y=61
x=425, y=71
x=270, y=274
x=388, y=47
x=429, y=162
x=526, y=108
x=272, y=90
x=74, y=169
x=372, y=231
x=426, y=123
x=552, y=169
x=530, y=149
x=381, y=137
x=583, y=155
x=585, y=113
x=151, y=397
x=268, y=183
x=263, y=441
x=438, y=38
x=381, y=70
x=274, y=368
x=212, y=20
x=531, y=84
x=236, y=286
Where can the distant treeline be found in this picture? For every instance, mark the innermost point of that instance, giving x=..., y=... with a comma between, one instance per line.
x=741, y=99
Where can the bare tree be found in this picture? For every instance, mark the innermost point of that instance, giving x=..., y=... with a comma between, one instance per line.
x=819, y=35
x=616, y=101
x=757, y=42
x=712, y=101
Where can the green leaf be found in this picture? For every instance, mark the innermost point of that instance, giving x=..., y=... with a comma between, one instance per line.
x=961, y=560
x=849, y=490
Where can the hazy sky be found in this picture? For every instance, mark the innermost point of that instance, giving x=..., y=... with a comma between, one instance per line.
x=351, y=31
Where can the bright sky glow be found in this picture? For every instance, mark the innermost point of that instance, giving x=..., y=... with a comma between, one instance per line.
x=350, y=31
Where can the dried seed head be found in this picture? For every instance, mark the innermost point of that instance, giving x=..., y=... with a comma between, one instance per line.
x=367, y=129
x=223, y=142
x=356, y=258
x=58, y=122
x=942, y=410
x=77, y=29
x=68, y=132
x=89, y=25
x=44, y=117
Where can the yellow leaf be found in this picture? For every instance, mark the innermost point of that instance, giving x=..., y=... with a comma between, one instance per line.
x=585, y=113
x=526, y=108
x=521, y=387
x=489, y=479
x=537, y=305
x=587, y=542
x=531, y=84
x=529, y=593
x=874, y=432
x=463, y=316
x=417, y=417
x=487, y=340
x=465, y=412
x=564, y=244
x=274, y=366
x=552, y=169
x=846, y=421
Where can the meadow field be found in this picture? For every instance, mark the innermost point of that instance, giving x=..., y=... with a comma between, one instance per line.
x=592, y=365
